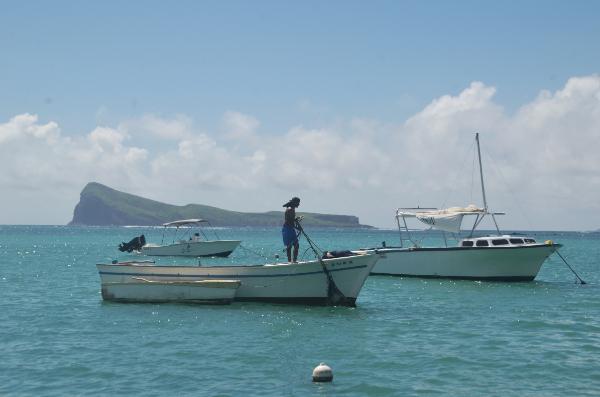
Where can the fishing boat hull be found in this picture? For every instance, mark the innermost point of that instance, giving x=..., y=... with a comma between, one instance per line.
x=303, y=283
x=145, y=290
x=515, y=263
x=220, y=248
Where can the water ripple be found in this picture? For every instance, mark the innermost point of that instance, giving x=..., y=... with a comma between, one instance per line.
x=407, y=337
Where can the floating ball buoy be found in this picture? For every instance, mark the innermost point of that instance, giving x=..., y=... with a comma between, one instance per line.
x=322, y=373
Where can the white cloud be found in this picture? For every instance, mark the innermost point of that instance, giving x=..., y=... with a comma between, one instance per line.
x=545, y=153
x=324, y=159
x=150, y=125
x=36, y=157
x=25, y=125
x=239, y=126
x=477, y=96
x=106, y=139
x=200, y=163
x=557, y=137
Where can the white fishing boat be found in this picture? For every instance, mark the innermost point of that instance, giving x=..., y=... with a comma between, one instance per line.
x=145, y=290
x=336, y=281
x=191, y=245
x=498, y=257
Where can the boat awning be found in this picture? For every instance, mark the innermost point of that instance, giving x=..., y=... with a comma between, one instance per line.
x=184, y=222
x=448, y=219
x=452, y=211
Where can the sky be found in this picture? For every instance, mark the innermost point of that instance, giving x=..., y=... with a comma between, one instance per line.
x=358, y=108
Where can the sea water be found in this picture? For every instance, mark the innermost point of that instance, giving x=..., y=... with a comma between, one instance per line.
x=406, y=337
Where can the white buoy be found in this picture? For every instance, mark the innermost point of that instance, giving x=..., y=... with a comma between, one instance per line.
x=322, y=373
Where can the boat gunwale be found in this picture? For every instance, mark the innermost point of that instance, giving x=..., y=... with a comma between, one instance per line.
x=499, y=247
x=268, y=265
x=465, y=278
x=152, y=245
x=234, y=276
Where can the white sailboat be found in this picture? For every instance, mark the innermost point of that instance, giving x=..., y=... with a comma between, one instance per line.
x=499, y=257
x=336, y=281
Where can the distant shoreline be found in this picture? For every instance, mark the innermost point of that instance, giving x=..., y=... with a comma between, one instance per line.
x=100, y=205
x=366, y=229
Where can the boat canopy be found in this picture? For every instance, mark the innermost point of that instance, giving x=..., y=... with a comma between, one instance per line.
x=448, y=219
x=184, y=222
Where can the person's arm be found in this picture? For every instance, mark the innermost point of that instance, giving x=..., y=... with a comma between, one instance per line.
x=297, y=220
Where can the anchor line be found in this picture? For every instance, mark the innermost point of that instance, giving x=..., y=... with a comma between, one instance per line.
x=254, y=252
x=334, y=295
x=569, y=266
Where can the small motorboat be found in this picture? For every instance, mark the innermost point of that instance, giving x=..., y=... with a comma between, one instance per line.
x=188, y=244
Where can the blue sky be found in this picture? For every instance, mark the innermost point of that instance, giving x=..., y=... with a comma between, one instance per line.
x=318, y=65
x=64, y=60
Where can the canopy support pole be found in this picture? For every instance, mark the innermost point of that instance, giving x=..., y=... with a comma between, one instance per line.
x=400, y=229
x=496, y=223
x=474, y=226
x=407, y=231
x=481, y=172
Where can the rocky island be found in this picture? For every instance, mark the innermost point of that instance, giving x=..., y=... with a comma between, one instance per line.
x=100, y=205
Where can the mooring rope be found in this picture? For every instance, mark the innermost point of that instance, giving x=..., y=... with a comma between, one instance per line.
x=569, y=266
x=254, y=252
x=334, y=295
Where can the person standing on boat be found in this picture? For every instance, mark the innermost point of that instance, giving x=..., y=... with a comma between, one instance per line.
x=288, y=231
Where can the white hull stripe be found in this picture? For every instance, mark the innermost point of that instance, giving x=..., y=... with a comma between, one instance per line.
x=234, y=276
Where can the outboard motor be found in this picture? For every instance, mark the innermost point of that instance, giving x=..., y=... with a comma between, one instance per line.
x=135, y=244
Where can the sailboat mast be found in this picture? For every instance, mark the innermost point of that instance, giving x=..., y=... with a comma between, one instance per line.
x=481, y=172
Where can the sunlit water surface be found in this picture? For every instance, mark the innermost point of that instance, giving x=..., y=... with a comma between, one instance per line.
x=407, y=336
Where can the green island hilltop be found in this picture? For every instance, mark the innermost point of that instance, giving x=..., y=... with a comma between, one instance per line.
x=100, y=205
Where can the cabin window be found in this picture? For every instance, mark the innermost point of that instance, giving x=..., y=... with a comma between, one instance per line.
x=500, y=241
x=516, y=241
x=530, y=241
x=482, y=243
x=467, y=243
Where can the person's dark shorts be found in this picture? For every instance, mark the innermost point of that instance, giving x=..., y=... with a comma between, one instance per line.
x=289, y=235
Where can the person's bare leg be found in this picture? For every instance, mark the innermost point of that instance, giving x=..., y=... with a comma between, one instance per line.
x=296, y=246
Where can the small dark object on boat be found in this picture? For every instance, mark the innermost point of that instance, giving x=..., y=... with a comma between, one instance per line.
x=135, y=244
x=336, y=254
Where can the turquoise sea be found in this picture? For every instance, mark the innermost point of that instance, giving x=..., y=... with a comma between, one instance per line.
x=406, y=337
